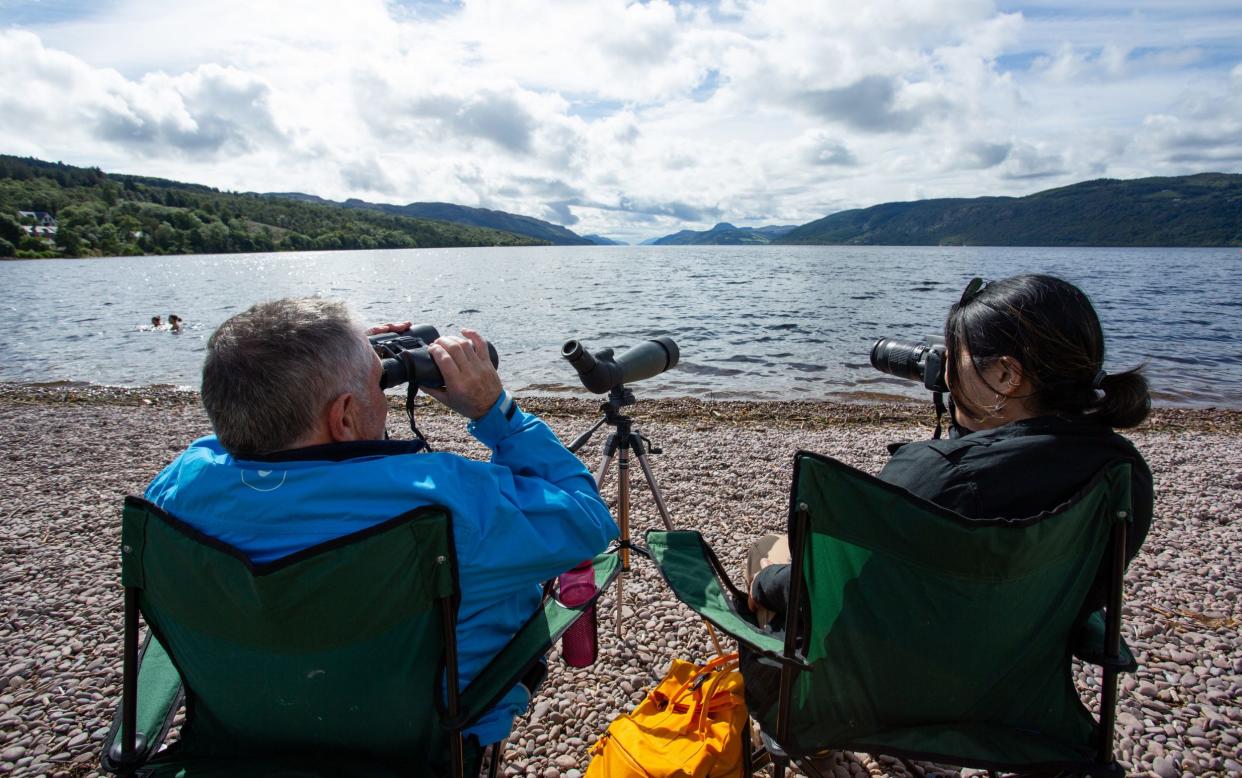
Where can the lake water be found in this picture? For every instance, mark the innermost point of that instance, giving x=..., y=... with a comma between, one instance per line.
x=752, y=322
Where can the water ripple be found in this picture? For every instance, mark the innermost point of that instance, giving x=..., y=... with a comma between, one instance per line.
x=751, y=322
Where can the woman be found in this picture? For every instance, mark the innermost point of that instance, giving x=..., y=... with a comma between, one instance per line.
x=1033, y=416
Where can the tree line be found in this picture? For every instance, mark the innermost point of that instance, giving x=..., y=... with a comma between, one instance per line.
x=98, y=214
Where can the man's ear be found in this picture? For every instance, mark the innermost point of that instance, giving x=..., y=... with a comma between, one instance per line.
x=341, y=418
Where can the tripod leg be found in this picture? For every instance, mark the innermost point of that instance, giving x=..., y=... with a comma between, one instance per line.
x=711, y=633
x=668, y=521
x=610, y=450
x=601, y=475
x=651, y=482
x=623, y=509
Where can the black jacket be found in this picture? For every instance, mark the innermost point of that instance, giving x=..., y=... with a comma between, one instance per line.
x=1014, y=471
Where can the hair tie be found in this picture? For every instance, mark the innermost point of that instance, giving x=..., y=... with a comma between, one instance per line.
x=1099, y=379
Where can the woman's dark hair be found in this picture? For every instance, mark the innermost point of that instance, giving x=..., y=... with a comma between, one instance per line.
x=1049, y=326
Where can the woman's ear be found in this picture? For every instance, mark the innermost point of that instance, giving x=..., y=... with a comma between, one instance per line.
x=1012, y=377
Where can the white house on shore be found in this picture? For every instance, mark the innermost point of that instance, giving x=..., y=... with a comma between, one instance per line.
x=44, y=223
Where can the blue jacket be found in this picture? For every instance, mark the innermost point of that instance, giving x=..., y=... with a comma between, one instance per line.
x=528, y=515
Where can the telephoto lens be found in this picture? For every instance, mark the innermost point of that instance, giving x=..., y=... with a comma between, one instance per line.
x=923, y=362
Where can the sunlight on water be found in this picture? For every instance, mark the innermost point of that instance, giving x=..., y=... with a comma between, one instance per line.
x=752, y=322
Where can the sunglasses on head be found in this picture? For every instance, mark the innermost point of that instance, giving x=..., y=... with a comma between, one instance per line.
x=973, y=287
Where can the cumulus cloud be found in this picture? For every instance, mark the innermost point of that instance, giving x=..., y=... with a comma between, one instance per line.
x=644, y=116
x=1175, y=141
x=980, y=155
x=205, y=113
x=558, y=212
x=869, y=104
x=487, y=115
x=366, y=176
x=821, y=149
x=201, y=114
x=1026, y=161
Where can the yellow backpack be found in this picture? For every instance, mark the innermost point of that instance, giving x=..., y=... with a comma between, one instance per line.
x=691, y=725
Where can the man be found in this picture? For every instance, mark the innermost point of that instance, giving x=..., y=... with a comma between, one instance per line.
x=299, y=457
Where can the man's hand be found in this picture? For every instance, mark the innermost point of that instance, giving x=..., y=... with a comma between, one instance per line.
x=471, y=384
x=392, y=326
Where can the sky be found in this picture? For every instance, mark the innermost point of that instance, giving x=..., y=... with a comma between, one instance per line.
x=627, y=119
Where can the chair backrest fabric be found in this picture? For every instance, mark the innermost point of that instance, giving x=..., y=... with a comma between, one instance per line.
x=931, y=633
x=336, y=649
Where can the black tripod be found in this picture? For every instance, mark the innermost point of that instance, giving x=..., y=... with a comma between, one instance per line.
x=620, y=444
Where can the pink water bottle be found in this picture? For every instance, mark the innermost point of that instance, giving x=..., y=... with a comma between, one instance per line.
x=579, y=644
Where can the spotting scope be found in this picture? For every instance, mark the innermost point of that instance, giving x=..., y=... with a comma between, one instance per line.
x=602, y=371
x=404, y=357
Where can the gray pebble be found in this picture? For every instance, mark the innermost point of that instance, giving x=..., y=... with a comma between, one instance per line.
x=1165, y=768
x=1189, y=682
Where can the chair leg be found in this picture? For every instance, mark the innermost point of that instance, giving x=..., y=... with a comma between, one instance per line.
x=748, y=753
x=779, y=763
x=759, y=758
x=497, y=755
x=808, y=766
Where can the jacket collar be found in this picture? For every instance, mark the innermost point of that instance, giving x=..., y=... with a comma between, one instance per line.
x=340, y=452
x=1036, y=425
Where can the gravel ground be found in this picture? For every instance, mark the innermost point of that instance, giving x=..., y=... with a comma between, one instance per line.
x=70, y=453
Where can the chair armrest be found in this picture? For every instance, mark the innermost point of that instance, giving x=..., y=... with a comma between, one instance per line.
x=528, y=646
x=159, y=698
x=1088, y=645
x=691, y=570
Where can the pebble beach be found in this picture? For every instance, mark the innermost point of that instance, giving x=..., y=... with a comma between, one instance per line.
x=69, y=454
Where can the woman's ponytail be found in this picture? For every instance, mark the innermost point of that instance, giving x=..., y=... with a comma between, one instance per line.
x=1126, y=401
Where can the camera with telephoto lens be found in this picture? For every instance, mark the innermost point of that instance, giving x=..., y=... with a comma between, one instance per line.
x=403, y=357
x=923, y=361
x=602, y=371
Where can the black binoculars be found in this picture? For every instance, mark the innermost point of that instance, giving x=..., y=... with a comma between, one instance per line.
x=404, y=357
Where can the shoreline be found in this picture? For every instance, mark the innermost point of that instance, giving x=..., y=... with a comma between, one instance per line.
x=785, y=414
x=71, y=453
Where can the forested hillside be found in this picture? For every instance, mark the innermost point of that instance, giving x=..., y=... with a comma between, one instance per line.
x=98, y=214
x=1198, y=210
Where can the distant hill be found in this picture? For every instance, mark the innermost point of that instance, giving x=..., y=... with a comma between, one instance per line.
x=482, y=217
x=723, y=234
x=600, y=240
x=461, y=214
x=1199, y=210
x=108, y=214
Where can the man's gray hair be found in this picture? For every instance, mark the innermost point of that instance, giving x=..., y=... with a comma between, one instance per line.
x=272, y=369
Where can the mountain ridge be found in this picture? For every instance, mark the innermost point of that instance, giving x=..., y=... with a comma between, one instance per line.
x=723, y=234
x=1203, y=209
x=504, y=221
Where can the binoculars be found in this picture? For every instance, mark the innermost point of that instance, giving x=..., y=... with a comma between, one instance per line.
x=404, y=357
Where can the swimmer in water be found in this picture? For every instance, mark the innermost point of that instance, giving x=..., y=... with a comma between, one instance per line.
x=174, y=322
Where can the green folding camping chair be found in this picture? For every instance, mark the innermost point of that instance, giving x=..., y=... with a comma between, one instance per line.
x=926, y=635
x=337, y=660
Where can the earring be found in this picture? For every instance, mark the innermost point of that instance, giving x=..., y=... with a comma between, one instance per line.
x=999, y=405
